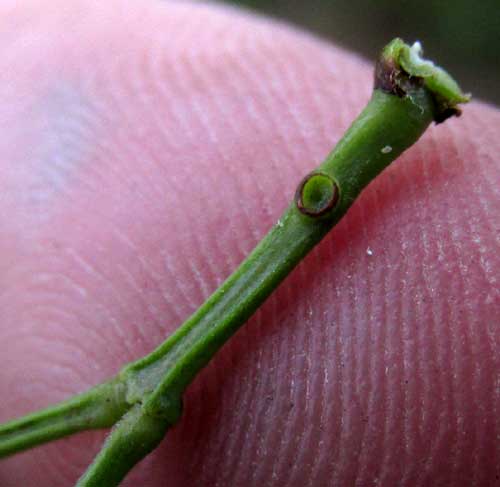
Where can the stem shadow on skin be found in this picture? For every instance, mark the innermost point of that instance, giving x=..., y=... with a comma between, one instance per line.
x=145, y=399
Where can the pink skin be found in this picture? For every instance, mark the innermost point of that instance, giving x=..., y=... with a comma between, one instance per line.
x=146, y=147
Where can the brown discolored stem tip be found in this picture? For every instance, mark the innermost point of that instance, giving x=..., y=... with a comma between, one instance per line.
x=391, y=78
x=400, y=70
x=317, y=194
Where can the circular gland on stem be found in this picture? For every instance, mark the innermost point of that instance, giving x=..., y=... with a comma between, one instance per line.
x=316, y=194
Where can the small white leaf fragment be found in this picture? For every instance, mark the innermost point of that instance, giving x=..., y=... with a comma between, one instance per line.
x=386, y=149
x=369, y=251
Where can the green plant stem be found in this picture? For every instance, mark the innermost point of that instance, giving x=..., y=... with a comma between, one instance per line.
x=132, y=438
x=147, y=394
x=387, y=121
x=99, y=407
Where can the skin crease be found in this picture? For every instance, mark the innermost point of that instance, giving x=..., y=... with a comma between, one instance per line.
x=146, y=148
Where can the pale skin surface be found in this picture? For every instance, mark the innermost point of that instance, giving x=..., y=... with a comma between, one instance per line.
x=146, y=147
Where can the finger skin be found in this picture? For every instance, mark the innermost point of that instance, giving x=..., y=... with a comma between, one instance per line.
x=146, y=148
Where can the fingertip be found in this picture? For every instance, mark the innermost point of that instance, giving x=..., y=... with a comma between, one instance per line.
x=164, y=140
